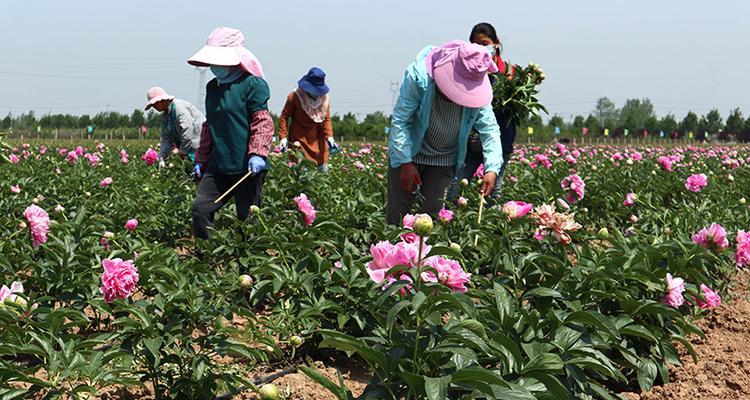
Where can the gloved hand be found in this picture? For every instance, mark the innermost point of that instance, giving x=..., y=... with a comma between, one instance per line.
x=333, y=146
x=197, y=174
x=409, y=177
x=162, y=164
x=282, y=145
x=256, y=164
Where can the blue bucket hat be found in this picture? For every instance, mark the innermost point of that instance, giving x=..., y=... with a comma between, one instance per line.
x=314, y=82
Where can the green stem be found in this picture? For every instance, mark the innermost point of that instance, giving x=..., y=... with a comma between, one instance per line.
x=275, y=240
x=418, y=280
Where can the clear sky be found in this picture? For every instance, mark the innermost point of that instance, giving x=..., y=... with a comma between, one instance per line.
x=88, y=56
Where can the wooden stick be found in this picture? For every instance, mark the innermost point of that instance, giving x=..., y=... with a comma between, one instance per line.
x=249, y=173
x=479, y=218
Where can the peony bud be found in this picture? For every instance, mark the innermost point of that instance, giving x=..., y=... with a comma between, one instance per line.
x=743, y=201
x=594, y=168
x=269, y=349
x=633, y=218
x=603, y=233
x=456, y=247
x=59, y=208
x=108, y=235
x=462, y=202
x=563, y=204
x=731, y=178
x=423, y=225
x=269, y=391
x=22, y=225
x=295, y=340
x=254, y=209
x=464, y=182
x=246, y=281
x=653, y=172
x=296, y=144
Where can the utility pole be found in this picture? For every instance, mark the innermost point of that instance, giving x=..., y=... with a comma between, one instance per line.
x=201, y=89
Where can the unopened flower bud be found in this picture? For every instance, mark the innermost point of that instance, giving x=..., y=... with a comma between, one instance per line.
x=633, y=218
x=246, y=281
x=423, y=224
x=295, y=341
x=456, y=247
x=254, y=209
x=731, y=178
x=108, y=235
x=743, y=201
x=22, y=225
x=604, y=233
x=464, y=182
x=563, y=204
x=269, y=391
x=462, y=202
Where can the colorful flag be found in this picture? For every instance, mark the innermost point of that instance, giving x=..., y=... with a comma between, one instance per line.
x=661, y=134
x=626, y=132
x=531, y=130
x=585, y=130
x=690, y=135
x=606, y=131
x=557, y=130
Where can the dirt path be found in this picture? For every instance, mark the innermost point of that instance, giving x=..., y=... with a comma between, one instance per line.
x=723, y=368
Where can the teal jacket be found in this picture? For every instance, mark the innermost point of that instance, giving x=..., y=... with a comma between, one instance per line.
x=411, y=116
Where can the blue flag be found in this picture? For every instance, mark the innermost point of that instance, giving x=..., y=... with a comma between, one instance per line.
x=557, y=130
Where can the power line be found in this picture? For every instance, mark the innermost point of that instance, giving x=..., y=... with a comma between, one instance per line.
x=88, y=77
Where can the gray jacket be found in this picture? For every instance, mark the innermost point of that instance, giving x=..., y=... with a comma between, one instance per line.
x=181, y=126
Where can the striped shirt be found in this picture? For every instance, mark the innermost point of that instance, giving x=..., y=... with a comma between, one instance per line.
x=440, y=142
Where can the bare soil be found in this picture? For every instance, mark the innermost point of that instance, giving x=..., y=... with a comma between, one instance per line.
x=723, y=368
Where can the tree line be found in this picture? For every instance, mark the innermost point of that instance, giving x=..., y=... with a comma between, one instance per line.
x=635, y=119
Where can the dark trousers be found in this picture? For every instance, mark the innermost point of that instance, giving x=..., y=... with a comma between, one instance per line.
x=435, y=181
x=212, y=186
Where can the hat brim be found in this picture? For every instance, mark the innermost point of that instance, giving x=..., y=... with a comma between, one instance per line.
x=215, y=55
x=472, y=94
x=155, y=100
x=312, y=89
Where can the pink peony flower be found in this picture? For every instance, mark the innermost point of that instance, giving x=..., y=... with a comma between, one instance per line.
x=118, y=279
x=43, y=150
x=72, y=157
x=675, y=287
x=696, y=182
x=131, y=224
x=712, y=298
x=14, y=159
x=124, y=156
x=15, y=189
x=38, y=224
x=629, y=199
x=445, y=216
x=92, y=158
x=150, y=156
x=10, y=294
x=408, y=221
x=665, y=163
x=479, y=172
x=446, y=271
x=462, y=202
x=574, y=187
x=306, y=208
x=104, y=242
x=359, y=165
x=105, y=182
x=79, y=151
x=742, y=251
x=713, y=237
x=516, y=209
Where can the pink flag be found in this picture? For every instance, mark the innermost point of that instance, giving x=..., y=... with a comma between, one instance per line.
x=585, y=130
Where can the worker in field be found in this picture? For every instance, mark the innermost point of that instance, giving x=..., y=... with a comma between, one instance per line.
x=307, y=109
x=484, y=34
x=181, y=124
x=236, y=137
x=444, y=95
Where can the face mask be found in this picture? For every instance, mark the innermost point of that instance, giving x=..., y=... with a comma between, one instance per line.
x=491, y=49
x=221, y=73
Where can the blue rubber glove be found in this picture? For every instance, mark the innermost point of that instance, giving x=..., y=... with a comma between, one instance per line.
x=333, y=146
x=197, y=174
x=256, y=164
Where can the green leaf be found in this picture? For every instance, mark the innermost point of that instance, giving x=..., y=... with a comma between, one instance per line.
x=646, y=373
x=555, y=387
x=437, y=388
x=544, y=362
x=542, y=292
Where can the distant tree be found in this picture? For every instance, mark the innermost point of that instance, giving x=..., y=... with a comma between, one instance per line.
x=578, y=123
x=556, y=121
x=668, y=124
x=689, y=123
x=606, y=112
x=634, y=114
x=84, y=121
x=735, y=122
x=652, y=125
x=137, y=119
x=593, y=124
x=714, y=122
x=5, y=123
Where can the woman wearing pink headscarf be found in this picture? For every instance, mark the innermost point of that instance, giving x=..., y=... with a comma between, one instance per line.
x=237, y=134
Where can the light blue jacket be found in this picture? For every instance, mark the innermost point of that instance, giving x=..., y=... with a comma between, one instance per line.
x=411, y=116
